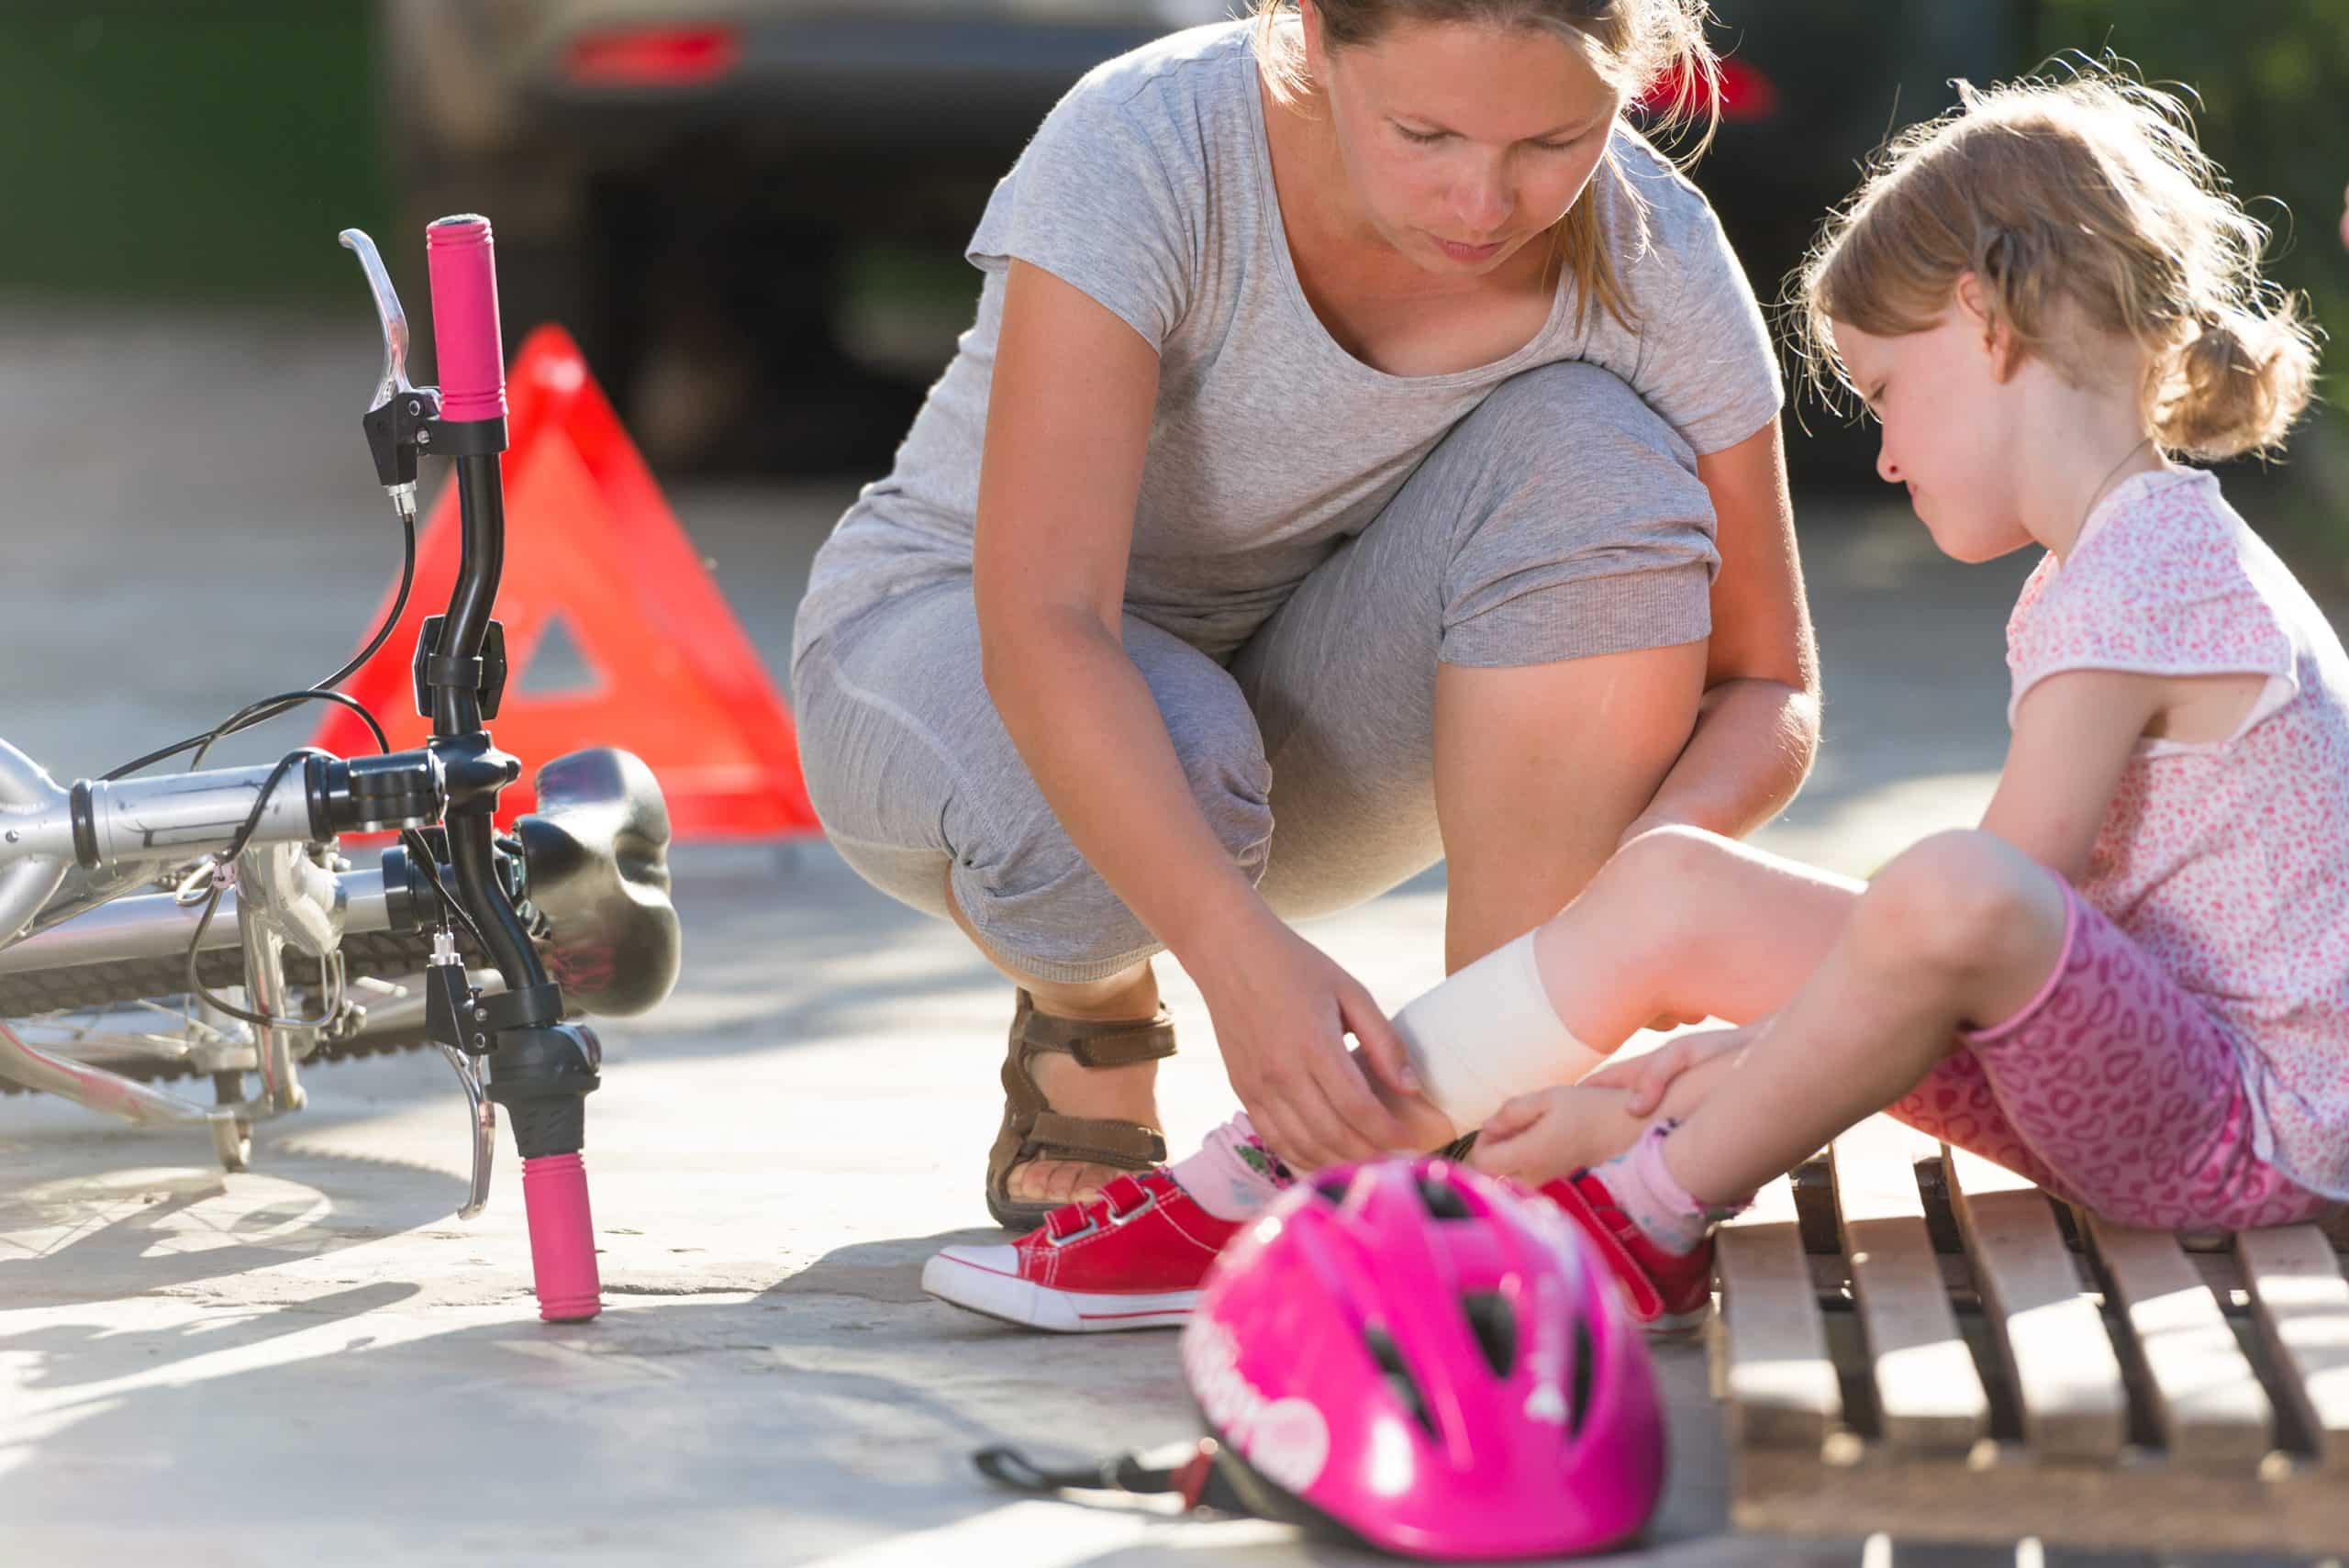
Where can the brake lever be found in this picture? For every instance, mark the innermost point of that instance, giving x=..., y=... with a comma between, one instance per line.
x=449, y=998
x=396, y=421
x=484, y=1124
x=387, y=306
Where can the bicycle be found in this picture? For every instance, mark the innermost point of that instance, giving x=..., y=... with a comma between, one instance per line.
x=126, y=901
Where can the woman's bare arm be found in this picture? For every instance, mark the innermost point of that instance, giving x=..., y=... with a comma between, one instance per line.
x=1068, y=424
x=1068, y=419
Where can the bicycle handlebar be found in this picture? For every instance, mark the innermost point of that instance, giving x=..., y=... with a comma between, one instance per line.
x=106, y=823
x=462, y=264
x=539, y=1067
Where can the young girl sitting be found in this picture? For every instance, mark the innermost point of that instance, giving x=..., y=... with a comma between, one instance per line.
x=2131, y=984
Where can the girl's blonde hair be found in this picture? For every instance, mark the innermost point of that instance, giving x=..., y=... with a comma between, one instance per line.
x=2083, y=206
x=1651, y=51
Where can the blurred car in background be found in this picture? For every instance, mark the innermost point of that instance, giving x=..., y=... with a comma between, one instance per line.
x=1810, y=89
x=750, y=212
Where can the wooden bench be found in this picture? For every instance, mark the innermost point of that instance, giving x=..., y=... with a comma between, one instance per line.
x=1916, y=1342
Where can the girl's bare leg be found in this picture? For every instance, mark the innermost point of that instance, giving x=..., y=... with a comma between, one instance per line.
x=1959, y=933
x=1687, y=922
x=1678, y=920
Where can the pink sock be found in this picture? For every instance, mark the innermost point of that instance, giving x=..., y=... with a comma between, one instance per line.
x=1649, y=1196
x=1233, y=1175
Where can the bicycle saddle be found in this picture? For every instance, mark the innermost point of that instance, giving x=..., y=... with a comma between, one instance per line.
x=597, y=850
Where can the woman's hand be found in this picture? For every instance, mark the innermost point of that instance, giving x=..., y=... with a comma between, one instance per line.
x=1282, y=1009
x=1649, y=1075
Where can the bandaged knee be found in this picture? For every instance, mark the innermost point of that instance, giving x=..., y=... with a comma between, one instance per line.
x=1489, y=1034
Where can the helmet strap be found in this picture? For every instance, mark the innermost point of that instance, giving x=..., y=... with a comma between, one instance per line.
x=1188, y=1472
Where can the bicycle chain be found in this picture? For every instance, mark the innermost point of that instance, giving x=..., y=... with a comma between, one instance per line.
x=85, y=987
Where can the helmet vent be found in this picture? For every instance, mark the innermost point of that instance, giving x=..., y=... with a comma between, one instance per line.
x=1585, y=1370
x=1399, y=1381
x=1444, y=1200
x=1332, y=1187
x=1494, y=1322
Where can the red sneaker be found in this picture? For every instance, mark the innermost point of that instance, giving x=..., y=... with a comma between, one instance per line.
x=1670, y=1293
x=1132, y=1258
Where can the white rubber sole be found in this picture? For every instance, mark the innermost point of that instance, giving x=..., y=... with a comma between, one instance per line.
x=986, y=1280
x=1679, y=1325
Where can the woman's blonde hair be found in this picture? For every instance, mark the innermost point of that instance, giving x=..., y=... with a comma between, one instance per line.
x=2084, y=208
x=1650, y=51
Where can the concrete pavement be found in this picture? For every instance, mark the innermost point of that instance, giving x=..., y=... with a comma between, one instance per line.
x=314, y=1361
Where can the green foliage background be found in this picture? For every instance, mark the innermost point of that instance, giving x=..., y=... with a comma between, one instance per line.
x=2274, y=81
x=205, y=151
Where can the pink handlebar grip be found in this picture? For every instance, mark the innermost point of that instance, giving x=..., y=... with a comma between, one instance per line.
x=463, y=274
x=562, y=1239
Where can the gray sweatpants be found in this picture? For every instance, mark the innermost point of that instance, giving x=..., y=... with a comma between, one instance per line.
x=1560, y=519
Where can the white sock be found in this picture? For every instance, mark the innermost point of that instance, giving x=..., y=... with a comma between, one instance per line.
x=1233, y=1175
x=1649, y=1196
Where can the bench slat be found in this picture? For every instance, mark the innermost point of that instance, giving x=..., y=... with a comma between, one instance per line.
x=2062, y=1361
x=1929, y=1392
x=2208, y=1400
x=1774, y=1372
x=2301, y=1304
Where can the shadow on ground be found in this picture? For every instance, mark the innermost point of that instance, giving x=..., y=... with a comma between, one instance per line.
x=833, y=1411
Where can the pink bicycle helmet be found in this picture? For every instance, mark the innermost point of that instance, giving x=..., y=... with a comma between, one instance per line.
x=1430, y=1362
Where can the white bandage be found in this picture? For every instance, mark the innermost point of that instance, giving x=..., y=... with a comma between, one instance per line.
x=1488, y=1034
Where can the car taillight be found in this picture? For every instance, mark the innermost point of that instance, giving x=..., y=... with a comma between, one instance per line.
x=652, y=57
x=1745, y=93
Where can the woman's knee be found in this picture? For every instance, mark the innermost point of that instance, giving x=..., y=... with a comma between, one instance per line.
x=1233, y=793
x=1216, y=740
x=1577, y=524
x=1580, y=420
x=1034, y=895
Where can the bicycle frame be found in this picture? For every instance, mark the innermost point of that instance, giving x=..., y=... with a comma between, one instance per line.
x=509, y=1046
x=287, y=900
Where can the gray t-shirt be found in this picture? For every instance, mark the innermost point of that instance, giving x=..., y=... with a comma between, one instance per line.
x=1150, y=187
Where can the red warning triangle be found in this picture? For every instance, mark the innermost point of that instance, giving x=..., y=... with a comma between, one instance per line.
x=600, y=576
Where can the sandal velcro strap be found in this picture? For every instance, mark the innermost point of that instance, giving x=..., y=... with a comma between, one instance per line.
x=1099, y=1138
x=1097, y=1043
x=1032, y=1130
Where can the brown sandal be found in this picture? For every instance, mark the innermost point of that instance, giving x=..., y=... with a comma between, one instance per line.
x=1033, y=1130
